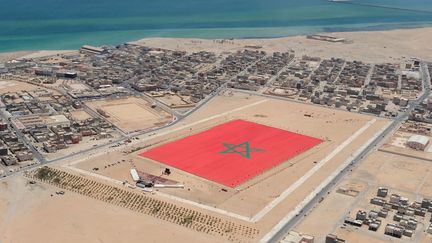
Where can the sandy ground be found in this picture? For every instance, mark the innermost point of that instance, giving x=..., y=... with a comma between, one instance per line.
x=131, y=114
x=80, y=115
x=7, y=86
x=267, y=113
x=6, y=56
x=397, y=145
x=371, y=46
x=355, y=236
x=44, y=53
x=376, y=46
x=84, y=144
x=413, y=181
x=36, y=216
x=172, y=100
x=248, y=199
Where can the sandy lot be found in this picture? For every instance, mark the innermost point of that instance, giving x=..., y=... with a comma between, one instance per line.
x=251, y=197
x=131, y=114
x=80, y=115
x=14, y=86
x=406, y=176
x=397, y=145
x=43, y=218
x=375, y=46
x=6, y=56
x=86, y=143
x=45, y=53
x=173, y=100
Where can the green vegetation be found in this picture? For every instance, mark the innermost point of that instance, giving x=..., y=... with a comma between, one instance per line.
x=141, y=203
x=156, y=209
x=44, y=173
x=187, y=220
x=56, y=180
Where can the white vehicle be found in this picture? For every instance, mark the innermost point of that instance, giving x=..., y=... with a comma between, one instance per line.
x=134, y=175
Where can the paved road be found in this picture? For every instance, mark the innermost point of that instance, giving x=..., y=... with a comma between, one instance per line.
x=280, y=233
x=20, y=135
x=178, y=117
x=283, y=69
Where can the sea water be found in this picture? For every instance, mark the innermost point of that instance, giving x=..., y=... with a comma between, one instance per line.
x=68, y=24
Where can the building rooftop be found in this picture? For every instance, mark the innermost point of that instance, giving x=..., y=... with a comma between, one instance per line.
x=419, y=139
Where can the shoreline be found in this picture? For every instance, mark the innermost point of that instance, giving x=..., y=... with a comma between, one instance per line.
x=367, y=29
x=367, y=46
x=370, y=46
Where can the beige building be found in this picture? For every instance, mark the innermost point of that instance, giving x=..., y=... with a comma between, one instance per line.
x=296, y=237
x=50, y=121
x=418, y=142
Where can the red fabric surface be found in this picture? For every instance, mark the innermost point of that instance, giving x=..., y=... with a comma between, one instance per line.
x=201, y=154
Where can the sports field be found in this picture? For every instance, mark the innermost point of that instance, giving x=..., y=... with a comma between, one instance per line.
x=131, y=114
x=233, y=152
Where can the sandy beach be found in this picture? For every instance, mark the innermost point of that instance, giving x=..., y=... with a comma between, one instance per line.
x=371, y=46
x=6, y=56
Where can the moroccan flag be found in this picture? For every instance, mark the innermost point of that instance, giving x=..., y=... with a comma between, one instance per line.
x=233, y=152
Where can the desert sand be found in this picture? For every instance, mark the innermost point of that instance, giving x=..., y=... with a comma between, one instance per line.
x=373, y=46
x=251, y=197
x=33, y=215
x=413, y=181
x=131, y=114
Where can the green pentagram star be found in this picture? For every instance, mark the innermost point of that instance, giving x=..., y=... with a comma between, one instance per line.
x=242, y=149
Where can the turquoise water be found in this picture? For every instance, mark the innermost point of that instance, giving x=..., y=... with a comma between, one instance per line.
x=68, y=24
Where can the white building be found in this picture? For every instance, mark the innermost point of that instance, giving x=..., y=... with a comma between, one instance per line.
x=296, y=237
x=57, y=120
x=418, y=142
x=403, y=101
x=3, y=69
